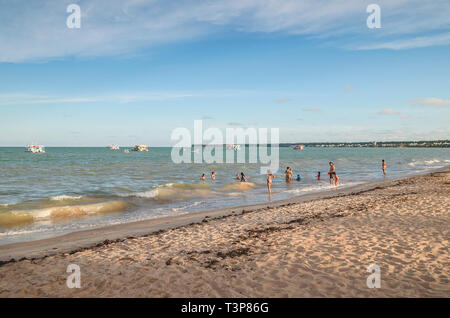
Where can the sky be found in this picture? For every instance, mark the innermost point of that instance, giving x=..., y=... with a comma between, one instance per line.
x=135, y=70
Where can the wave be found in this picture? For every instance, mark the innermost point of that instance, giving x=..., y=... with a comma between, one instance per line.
x=23, y=217
x=432, y=161
x=65, y=198
x=174, y=191
x=187, y=206
x=243, y=186
x=426, y=162
x=320, y=187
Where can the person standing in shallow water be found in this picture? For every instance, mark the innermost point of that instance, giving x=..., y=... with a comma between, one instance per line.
x=269, y=177
x=288, y=173
x=383, y=167
x=333, y=176
x=203, y=177
x=213, y=175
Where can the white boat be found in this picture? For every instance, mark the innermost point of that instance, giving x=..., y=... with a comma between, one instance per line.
x=234, y=147
x=142, y=148
x=35, y=149
x=113, y=147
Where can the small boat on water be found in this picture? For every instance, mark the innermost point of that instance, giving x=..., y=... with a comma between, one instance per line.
x=299, y=147
x=234, y=147
x=113, y=147
x=141, y=148
x=35, y=149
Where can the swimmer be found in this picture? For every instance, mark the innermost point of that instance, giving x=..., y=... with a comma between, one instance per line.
x=243, y=177
x=383, y=167
x=213, y=175
x=318, y=175
x=269, y=177
x=203, y=177
x=238, y=176
x=298, y=178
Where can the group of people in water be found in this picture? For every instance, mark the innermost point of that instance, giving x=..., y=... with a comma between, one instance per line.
x=334, y=178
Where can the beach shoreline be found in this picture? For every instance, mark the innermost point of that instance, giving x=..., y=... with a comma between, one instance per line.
x=307, y=246
x=86, y=239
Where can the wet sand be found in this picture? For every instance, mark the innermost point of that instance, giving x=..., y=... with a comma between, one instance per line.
x=312, y=246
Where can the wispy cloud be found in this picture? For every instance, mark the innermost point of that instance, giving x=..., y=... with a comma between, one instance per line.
x=36, y=30
x=31, y=99
x=410, y=43
x=282, y=100
x=391, y=112
x=431, y=102
x=235, y=124
x=311, y=109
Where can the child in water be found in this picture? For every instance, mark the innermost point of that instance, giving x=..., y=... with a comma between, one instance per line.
x=243, y=177
x=318, y=176
x=213, y=175
x=203, y=177
x=298, y=178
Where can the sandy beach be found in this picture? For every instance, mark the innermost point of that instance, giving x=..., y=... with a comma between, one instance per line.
x=313, y=246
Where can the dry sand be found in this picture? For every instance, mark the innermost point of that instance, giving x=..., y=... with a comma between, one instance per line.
x=319, y=248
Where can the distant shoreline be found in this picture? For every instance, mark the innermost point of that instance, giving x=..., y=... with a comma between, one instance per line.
x=444, y=143
x=86, y=239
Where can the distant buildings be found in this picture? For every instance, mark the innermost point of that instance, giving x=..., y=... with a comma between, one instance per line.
x=391, y=144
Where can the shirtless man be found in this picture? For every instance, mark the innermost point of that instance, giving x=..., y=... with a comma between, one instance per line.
x=203, y=177
x=213, y=175
x=332, y=173
x=383, y=167
x=269, y=176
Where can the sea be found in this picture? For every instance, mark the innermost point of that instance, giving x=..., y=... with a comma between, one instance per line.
x=72, y=189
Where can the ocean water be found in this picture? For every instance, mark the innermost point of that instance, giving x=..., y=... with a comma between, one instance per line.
x=72, y=189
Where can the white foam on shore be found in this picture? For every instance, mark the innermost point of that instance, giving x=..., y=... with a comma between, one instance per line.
x=147, y=194
x=322, y=187
x=65, y=197
x=187, y=206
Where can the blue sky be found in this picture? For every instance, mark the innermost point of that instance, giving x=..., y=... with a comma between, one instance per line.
x=136, y=70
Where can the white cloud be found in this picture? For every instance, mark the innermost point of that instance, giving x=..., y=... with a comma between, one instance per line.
x=431, y=102
x=235, y=124
x=30, y=99
x=36, y=30
x=392, y=112
x=410, y=43
x=311, y=109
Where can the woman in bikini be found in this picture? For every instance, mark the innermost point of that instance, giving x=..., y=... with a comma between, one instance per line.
x=269, y=176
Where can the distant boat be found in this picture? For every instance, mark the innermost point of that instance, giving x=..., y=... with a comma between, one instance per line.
x=35, y=149
x=299, y=147
x=234, y=147
x=113, y=147
x=142, y=148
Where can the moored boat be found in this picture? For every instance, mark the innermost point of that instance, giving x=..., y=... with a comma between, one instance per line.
x=35, y=149
x=141, y=148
